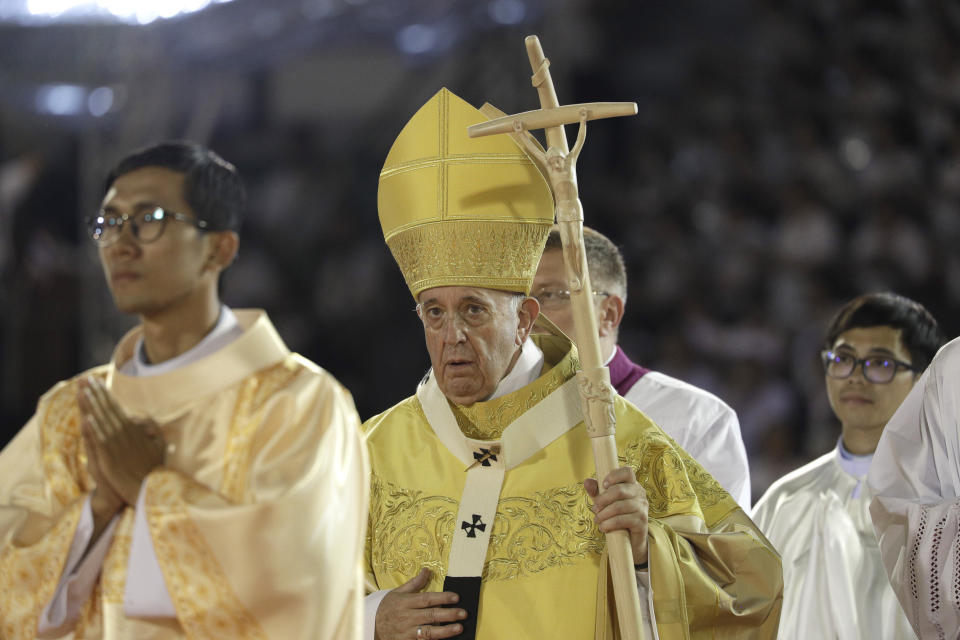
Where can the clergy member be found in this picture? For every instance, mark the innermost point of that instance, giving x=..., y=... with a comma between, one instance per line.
x=482, y=523
x=206, y=482
x=701, y=423
x=817, y=516
x=915, y=478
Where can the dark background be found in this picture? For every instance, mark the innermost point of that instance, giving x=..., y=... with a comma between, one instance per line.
x=788, y=155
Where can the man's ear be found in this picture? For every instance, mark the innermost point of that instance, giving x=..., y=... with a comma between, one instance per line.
x=527, y=312
x=223, y=249
x=610, y=315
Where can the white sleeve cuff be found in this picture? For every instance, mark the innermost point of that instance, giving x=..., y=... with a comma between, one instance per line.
x=79, y=576
x=370, y=605
x=145, y=594
x=646, y=603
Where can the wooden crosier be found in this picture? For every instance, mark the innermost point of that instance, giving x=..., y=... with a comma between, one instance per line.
x=558, y=163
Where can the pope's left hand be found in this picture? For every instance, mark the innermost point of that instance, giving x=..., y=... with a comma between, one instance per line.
x=622, y=505
x=126, y=448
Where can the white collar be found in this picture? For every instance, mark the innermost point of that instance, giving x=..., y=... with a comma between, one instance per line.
x=224, y=332
x=525, y=370
x=540, y=425
x=855, y=465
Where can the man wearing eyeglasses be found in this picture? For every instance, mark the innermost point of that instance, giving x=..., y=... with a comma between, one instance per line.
x=834, y=581
x=206, y=482
x=701, y=423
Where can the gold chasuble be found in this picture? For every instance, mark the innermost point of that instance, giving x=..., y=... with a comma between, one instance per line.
x=712, y=573
x=256, y=519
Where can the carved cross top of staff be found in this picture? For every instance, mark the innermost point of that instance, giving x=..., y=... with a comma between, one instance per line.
x=558, y=163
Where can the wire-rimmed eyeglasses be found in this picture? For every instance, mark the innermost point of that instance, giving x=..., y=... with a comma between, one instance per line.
x=554, y=298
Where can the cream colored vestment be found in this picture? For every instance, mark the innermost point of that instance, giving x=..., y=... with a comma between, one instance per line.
x=257, y=518
x=834, y=583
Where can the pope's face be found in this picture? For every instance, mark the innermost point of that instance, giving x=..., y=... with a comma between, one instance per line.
x=148, y=278
x=474, y=336
x=857, y=402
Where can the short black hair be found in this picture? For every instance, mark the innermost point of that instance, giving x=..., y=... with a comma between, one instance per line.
x=604, y=259
x=212, y=186
x=921, y=334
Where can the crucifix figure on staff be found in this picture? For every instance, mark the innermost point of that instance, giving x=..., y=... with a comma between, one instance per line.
x=488, y=513
x=626, y=554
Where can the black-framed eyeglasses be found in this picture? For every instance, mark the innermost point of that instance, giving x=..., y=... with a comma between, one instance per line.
x=555, y=298
x=147, y=225
x=876, y=369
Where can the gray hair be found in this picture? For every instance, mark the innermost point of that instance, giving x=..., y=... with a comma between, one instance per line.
x=605, y=261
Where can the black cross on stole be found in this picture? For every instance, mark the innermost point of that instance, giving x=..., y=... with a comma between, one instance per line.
x=484, y=456
x=471, y=529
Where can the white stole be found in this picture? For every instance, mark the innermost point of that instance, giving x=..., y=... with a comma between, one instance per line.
x=535, y=429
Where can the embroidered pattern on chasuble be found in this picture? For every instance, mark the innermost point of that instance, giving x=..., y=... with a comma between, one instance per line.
x=545, y=529
x=535, y=532
x=64, y=462
x=530, y=533
x=674, y=482
x=205, y=603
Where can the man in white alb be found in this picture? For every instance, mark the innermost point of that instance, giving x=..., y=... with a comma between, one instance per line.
x=817, y=516
x=701, y=423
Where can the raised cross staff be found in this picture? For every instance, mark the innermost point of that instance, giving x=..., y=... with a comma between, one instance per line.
x=597, y=396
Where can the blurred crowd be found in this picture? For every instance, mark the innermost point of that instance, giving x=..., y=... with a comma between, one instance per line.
x=810, y=158
x=788, y=156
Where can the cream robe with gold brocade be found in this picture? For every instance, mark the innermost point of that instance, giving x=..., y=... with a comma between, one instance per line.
x=256, y=519
x=713, y=574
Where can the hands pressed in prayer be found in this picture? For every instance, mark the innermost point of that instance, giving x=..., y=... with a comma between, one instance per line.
x=121, y=450
x=622, y=505
x=405, y=609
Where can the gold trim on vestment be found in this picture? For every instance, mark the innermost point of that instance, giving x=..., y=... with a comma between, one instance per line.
x=247, y=416
x=487, y=420
x=35, y=572
x=712, y=573
x=205, y=603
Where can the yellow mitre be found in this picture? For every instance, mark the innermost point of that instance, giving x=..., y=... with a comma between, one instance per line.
x=460, y=211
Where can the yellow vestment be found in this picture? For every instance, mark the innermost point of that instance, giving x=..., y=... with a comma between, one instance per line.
x=256, y=519
x=712, y=573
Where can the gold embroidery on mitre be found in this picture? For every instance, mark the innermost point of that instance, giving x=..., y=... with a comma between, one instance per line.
x=470, y=253
x=247, y=416
x=461, y=211
x=205, y=603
